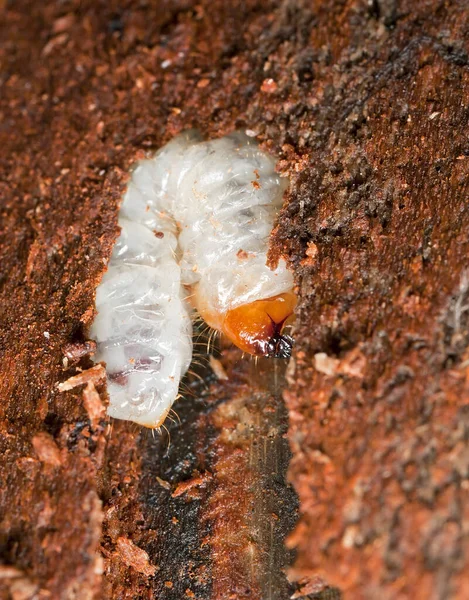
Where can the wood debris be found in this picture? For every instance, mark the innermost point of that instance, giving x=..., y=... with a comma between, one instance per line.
x=95, y=374
x=94, y=406
x=134, y=557
x=186, y=486
x=46, y=449
x=218, y=368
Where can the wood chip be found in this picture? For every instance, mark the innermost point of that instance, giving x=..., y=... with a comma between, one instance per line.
x=58, y=40
x=63, y=23
x=325, y=364
x=46, y=449
x=95, y=374
x=164, y=484
x=185, y=486
x=269, y=86
x=9, y=572
x=312, y=250
x=134, y=557
x=93, y=404
x=218, y=368
x=23, y=589
x=354, y=364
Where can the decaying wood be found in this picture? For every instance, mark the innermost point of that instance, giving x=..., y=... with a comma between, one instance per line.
x=366, y=104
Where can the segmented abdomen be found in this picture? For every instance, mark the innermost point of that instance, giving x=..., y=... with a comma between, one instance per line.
x=143, y=329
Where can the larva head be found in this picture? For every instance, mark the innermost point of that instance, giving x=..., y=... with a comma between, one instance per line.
x=257, y=327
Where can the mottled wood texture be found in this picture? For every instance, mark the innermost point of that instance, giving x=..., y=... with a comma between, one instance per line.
x=366, y=103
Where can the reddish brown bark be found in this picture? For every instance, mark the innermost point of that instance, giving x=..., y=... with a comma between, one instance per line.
x=366, y=105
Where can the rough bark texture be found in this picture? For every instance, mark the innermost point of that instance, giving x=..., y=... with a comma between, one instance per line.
x=366, y=103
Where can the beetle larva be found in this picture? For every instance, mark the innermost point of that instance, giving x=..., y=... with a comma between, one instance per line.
x=195, y=220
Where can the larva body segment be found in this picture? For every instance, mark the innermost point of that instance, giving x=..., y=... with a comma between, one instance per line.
x=143, y=329
x=225, y=197
x=195, y=221
x=226, y=200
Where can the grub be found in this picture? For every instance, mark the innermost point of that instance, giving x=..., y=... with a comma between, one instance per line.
x=369, y=120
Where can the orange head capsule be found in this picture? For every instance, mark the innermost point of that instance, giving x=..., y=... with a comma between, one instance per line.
x=256, y=327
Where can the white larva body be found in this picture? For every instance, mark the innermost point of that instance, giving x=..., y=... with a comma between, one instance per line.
x=215, y=203
x=225, y=195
